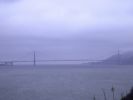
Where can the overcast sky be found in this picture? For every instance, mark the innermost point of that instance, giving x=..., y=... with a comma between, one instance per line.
x=63, y=29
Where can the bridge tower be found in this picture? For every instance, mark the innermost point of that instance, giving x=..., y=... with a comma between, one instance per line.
x=34, y=60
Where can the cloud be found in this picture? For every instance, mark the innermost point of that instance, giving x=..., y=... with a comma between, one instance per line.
x=8, y=1
x=73, y=14
x=83, y=25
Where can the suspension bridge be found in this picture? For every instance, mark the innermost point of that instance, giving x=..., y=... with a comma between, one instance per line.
x=36, y=61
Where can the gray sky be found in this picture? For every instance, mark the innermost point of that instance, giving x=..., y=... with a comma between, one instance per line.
x=74, y=29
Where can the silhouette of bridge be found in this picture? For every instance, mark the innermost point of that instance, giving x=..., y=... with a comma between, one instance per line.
x=34, y=60
x=50, y=60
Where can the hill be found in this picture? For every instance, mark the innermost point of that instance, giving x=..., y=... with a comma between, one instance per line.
x=122, y=59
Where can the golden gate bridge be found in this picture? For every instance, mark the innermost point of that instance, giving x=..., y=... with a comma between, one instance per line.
x=34, y=61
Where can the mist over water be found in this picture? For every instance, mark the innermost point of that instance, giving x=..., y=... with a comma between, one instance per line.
x=48, y=49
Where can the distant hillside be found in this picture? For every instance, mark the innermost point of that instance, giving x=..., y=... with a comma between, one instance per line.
x=123, y=59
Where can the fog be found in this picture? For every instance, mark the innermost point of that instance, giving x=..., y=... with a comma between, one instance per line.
x=65, y=29
x=54, y=49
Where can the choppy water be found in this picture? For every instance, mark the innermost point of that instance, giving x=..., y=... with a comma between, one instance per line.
x=53, y=83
